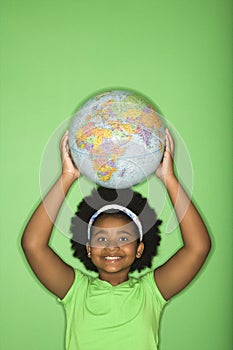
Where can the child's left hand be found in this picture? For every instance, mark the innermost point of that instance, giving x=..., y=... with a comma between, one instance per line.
x=166, y=168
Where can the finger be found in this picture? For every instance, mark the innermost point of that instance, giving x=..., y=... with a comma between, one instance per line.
x=170, y=142
x=64, y=136
x=64, y=144
x=167, y=142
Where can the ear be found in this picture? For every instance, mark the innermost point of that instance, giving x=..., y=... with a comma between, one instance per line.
x=88, y=248
x=140, y=250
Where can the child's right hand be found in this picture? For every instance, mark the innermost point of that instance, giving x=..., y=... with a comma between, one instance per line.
x=68, y=167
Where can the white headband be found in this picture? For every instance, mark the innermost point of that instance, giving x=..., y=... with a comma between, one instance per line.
x=125, y=210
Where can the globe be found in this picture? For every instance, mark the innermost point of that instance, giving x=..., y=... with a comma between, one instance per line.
x=116, y=139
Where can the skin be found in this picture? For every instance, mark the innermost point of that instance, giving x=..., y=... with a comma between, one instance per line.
x=114, y=237
x=172, y=277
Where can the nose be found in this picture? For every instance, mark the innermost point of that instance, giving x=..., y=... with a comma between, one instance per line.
x=112, y=245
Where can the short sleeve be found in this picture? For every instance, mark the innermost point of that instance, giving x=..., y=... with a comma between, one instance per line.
x=78, y=276
x=155, y=289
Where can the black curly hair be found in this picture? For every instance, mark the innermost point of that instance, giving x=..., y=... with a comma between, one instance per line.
x=127, y=198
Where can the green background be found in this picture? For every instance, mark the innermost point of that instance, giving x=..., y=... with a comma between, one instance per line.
x=53, y=55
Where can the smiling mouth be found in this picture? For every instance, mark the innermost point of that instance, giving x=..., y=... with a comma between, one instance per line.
x=112, y=258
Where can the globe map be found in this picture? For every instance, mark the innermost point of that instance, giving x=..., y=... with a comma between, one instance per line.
x=116, y=139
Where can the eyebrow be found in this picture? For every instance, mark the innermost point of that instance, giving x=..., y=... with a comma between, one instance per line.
x=118, y=232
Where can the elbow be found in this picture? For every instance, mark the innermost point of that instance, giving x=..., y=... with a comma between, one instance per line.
x=206, y=252
x=201, y=248
x=27, y=245
x=204, y=248
x=32, y=244
x=24, y=244
x=208, y=245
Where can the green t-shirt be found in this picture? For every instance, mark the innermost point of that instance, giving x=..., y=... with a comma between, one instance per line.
x=123, y=317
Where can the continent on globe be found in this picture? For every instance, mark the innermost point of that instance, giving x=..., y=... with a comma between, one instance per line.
x=117, y=139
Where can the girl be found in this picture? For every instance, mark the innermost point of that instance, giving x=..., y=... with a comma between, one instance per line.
x=115, y=233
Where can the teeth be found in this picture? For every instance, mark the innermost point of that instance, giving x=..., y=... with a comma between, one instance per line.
x=112, y=257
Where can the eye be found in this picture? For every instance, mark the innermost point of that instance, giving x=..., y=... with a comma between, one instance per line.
x=102, y=239
x=123, y=239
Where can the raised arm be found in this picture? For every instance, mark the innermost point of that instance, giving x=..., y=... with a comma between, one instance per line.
x=183, y=266
x=49, y=268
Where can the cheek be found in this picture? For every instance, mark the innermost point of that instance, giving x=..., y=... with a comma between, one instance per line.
x=95, y=252
x=130, y=249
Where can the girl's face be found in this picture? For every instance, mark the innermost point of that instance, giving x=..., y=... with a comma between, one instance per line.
x=114, y=246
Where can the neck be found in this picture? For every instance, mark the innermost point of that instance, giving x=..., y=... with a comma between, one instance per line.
x=114, y=278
